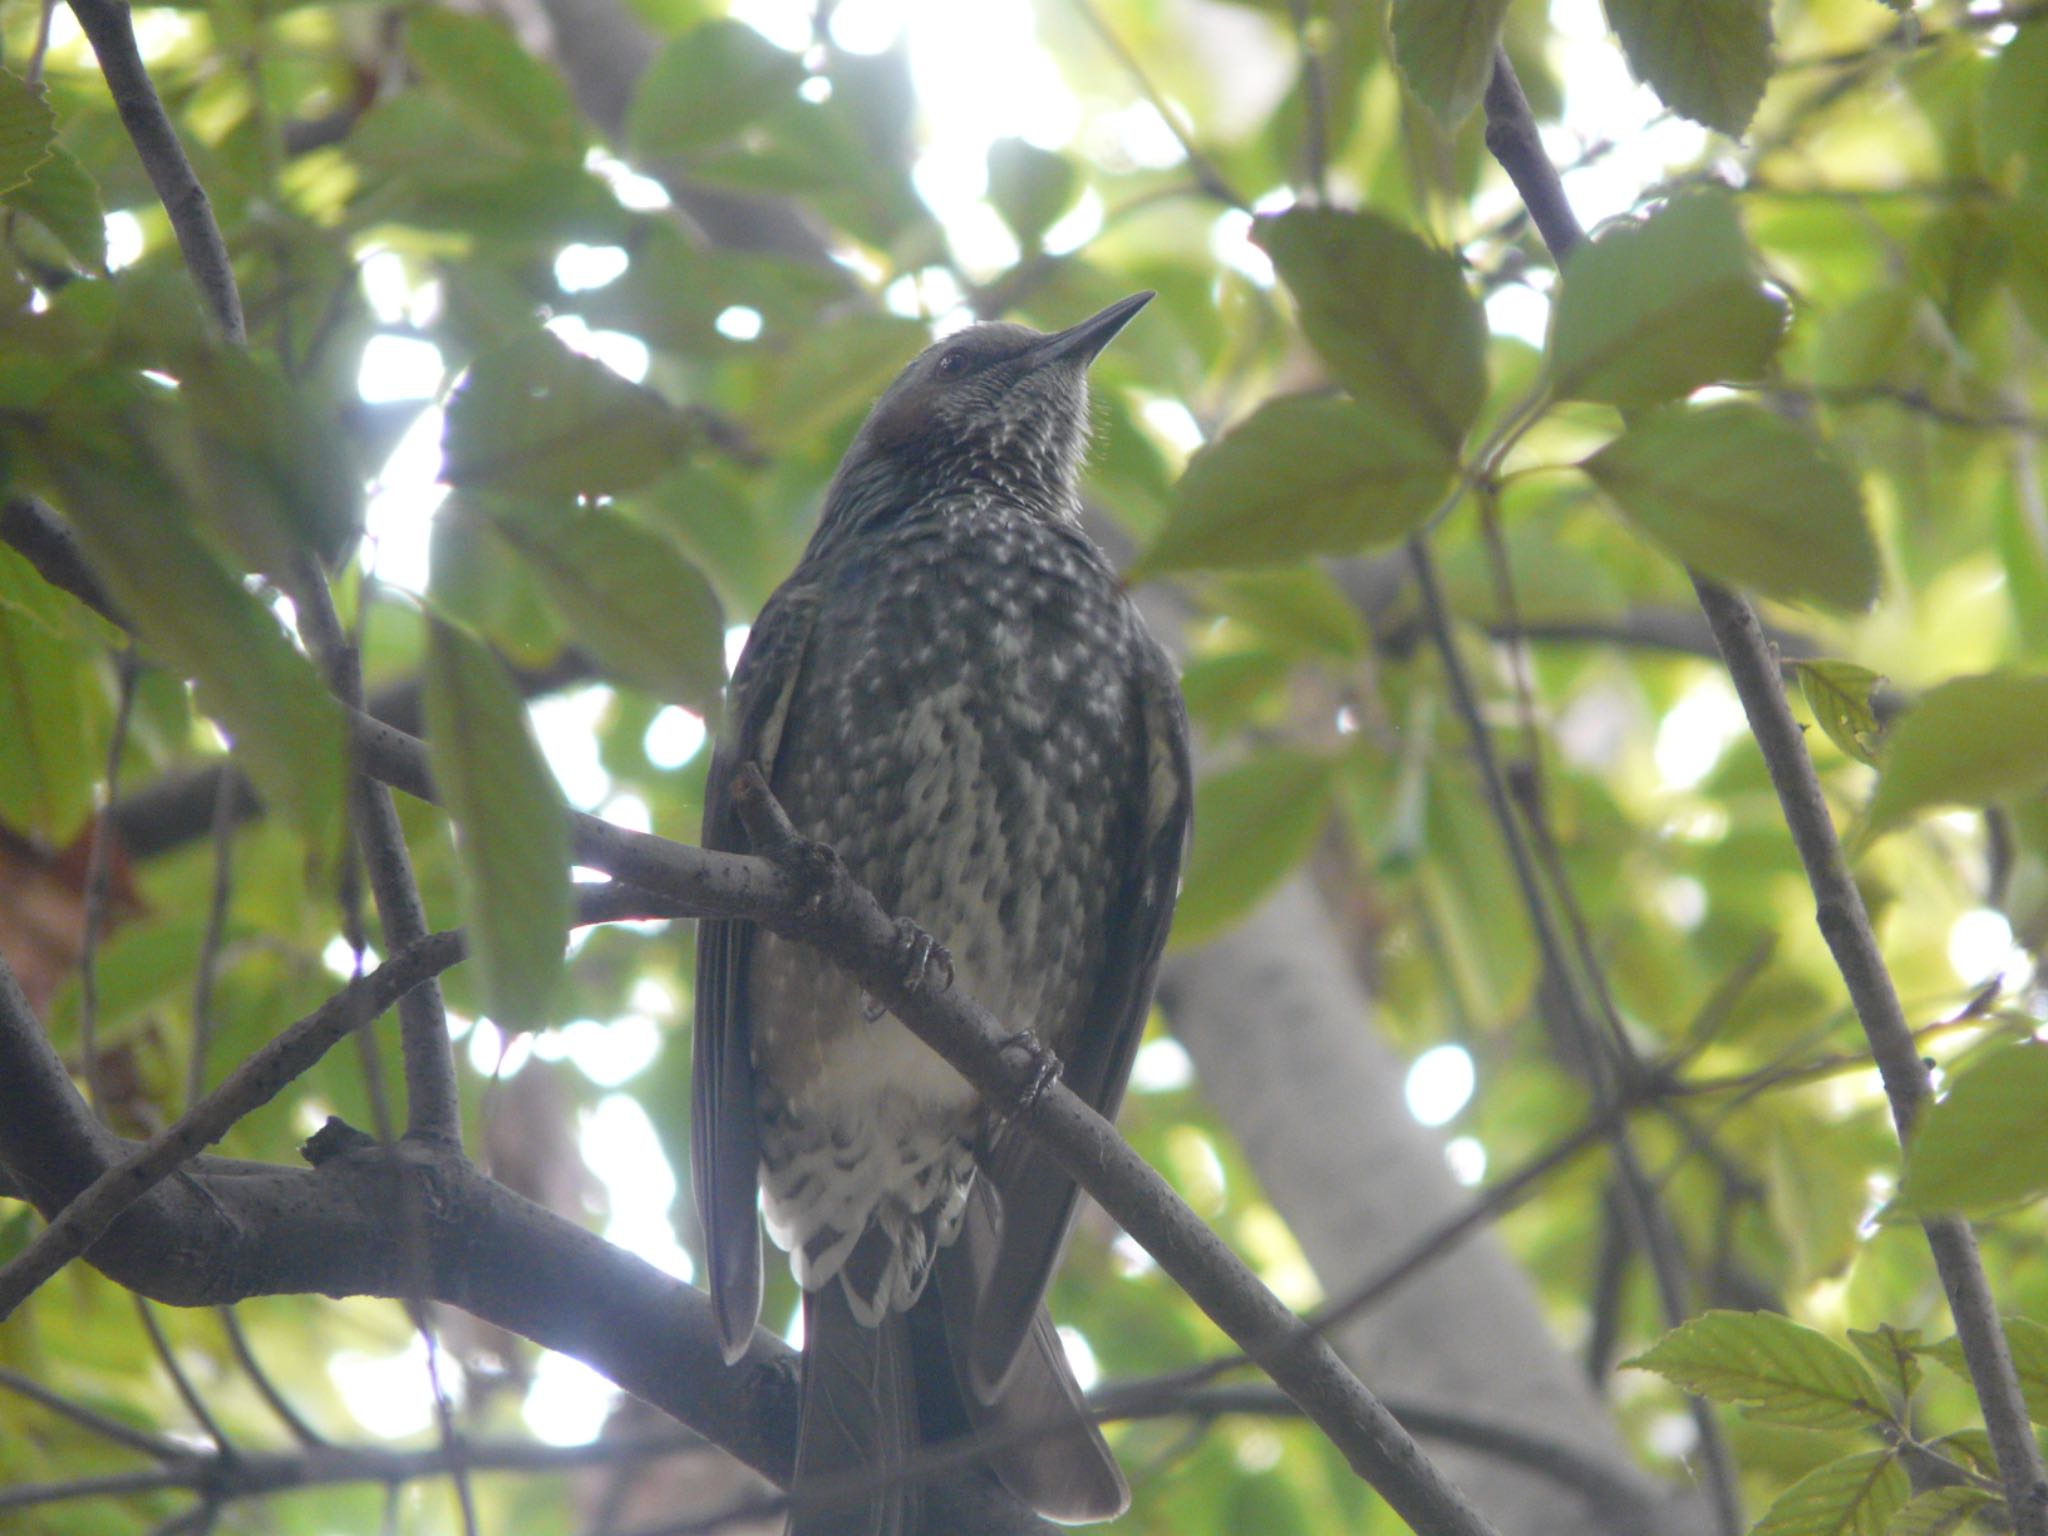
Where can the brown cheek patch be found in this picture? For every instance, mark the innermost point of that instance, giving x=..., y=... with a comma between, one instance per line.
x=898, y=419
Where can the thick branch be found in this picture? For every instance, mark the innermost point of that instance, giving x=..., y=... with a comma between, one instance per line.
x=1844, y=923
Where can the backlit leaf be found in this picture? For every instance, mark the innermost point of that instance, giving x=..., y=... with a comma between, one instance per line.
x=1838, y=693
x=1445, y=50
x=1747, y=497
x=1856, y=1496
x=1969, y=741
x=511, y=827
x=1254, y=823
x=1985, y=1144
x=2028, y=1342
x=1707, y=59
x=1776, y=1370
x=27, y=127
x=706, y=86
x=1391, y=316
x=535, y=419
x=1301, y=476
x=629, y=595
x=1650, y=311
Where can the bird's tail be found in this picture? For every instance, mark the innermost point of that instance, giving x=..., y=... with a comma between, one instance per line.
x=872, y=1396
x=858, y=1419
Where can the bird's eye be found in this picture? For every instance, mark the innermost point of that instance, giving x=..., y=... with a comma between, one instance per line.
x=952, y=364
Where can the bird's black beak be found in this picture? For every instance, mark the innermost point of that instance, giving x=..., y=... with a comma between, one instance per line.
x=1083, y=342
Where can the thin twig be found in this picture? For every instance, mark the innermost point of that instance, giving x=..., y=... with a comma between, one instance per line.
x=1605, y=1057
x=188, y=1394
x=103, y=1425
x=99, y=860
x=274, y=1399
x=109, y=26
x=1844, y=923
x=224, y=798
x=1212, y=180
x=255, y=1082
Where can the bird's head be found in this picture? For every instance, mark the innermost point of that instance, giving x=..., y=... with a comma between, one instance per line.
x=1001, y=405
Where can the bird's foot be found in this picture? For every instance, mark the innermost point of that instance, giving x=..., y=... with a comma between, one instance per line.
x=924, y=958
x=1043, y=1064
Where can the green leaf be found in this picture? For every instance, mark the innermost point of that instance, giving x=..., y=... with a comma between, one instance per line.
x=1856, y=1496
x=1301, y=476
x=1838, y=693
x=1969, y=741
x=1650, y=311
x=49, y=757
x=1939, y=1511
x=192, y=614
x=1747, y=497
x=1391, y=316
x=27, y=128
x=629, y=595
x=272, y=477
x=1302, y=606
x=1708, y=59
x=511, y=827
x=500, y=89
x=706, y=86
x=1985, y=1144
x=1445, y=51
x=1254, y=824
x=61, y=197
x=2016, y=107
x=535, y=419
x=1778, y=1371
x=1030, y=187
x=1893, y=1354
x=2028, y=1342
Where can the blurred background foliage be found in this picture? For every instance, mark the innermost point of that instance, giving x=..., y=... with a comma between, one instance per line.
x=594, y=344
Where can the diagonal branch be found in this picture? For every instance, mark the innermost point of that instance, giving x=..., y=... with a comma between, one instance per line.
x=1844, y=922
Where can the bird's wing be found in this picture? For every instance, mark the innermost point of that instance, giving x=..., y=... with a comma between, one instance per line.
x=725, y=1152
x=1037, y=1199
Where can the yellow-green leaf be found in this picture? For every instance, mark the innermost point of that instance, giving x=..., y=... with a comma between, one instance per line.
x=535, y=419
x=1969, y=741
x=2028, y=1342
x=49, y=754
x=1838, y=693
x=1302, y=476
x=629, y=595
x=1445, y=51
x=1747, y=497
x=1390, y=314
x=1776, y=1370
x=511, y=827
x=27, y=128
x=706, y=86
x=1856, y=1496
x=1707, y=59
x=1985, y=1144
x=1254, y=823
x=1651, y=311
x=1939, y=1511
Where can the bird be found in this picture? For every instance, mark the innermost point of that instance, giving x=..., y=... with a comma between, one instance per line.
x=953, y=690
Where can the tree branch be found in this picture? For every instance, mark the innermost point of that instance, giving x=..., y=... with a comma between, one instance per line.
x=801, y=891
x=109, y=27
x=1844, y=922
